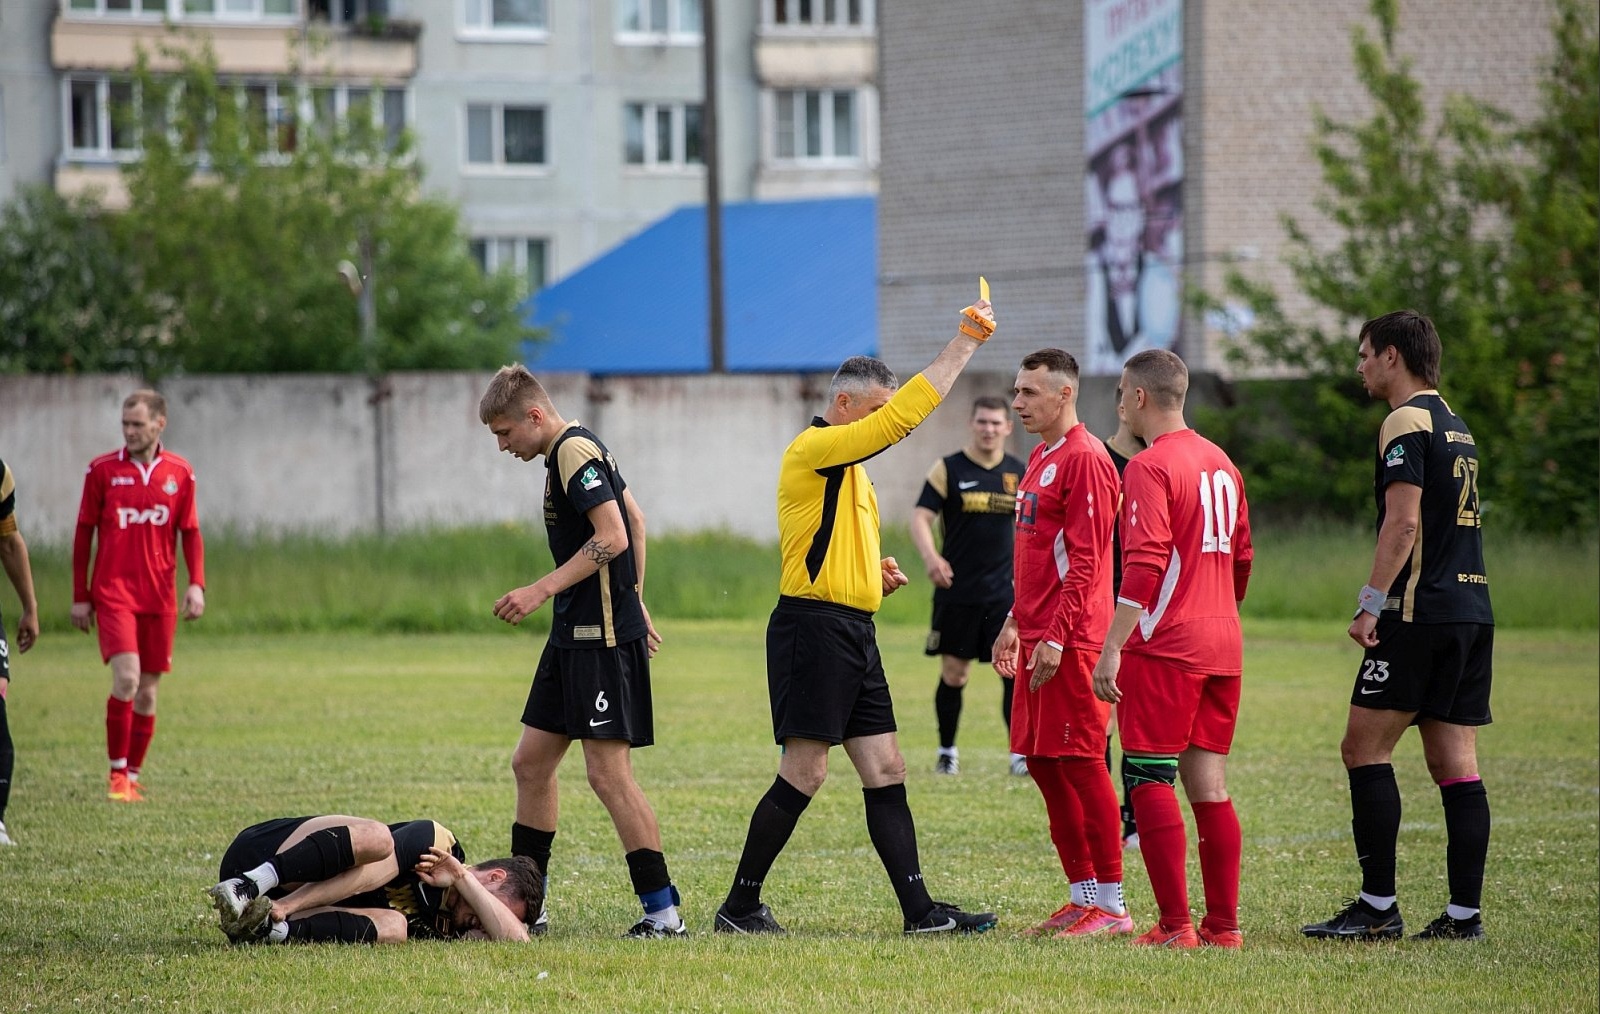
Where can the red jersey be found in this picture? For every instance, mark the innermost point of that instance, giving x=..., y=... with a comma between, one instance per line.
x=137, y=510
x=1066, y=507
x=1186, y=554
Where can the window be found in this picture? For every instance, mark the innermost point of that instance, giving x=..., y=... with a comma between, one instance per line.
x=662, y=134
x=243, y=10
x=119, y=8
x=649, y=20
x=525, y=257
x=100, y=118
x=815, y=126
x=504, y=16
x=327, y=105
x=505, y=135
x=825, y=14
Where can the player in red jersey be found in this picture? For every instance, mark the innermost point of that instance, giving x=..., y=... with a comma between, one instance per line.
x=1066, y=506
x=1185, y=561
x=137, y=500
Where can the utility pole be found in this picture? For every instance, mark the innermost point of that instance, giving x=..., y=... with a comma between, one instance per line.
x=708, y=126
x=360, y=282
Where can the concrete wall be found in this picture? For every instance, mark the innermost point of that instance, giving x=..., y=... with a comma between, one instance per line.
x=297, y=453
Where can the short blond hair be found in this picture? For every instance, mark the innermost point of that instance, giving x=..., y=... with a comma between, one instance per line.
x=512, y=390
x=150, y=399
x=1162, y=375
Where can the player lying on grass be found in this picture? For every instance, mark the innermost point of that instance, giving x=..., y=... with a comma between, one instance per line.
x=354, y=880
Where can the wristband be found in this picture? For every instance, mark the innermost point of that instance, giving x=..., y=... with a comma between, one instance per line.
x=974, y=326
x=1370, y=601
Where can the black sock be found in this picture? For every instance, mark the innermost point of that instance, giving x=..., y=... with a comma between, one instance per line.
x=1006, y=688
x=8, y=759
x=533, y=843
x=319, y=856
x=894, y=835
x=648, y=870
x=1466, y=821
x=1375, y=825
x=770, y=827
x=340, y=927
x=1129, y=826
x=947, y=705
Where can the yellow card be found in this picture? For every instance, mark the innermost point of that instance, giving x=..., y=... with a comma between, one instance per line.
x=983, y=288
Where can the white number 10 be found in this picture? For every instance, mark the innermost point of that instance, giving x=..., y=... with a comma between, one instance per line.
x=1219, y=498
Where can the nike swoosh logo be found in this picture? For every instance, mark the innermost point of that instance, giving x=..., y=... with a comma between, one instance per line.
x=594, y=725
x=1377, y=691
x=948, y=924
x=966, y=485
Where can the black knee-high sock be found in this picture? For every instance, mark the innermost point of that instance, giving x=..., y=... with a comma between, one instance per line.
x=1466, y=821
x=1129, y=825
x=8, y=760
x=319, y=856
x=1006, y=688
x=947, y=705
x=333, y=927
x=1375, y=824
x=533, y=843
x=894, y=835
x=770, y=827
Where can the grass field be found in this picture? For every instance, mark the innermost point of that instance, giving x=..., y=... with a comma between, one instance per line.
x=101, y=906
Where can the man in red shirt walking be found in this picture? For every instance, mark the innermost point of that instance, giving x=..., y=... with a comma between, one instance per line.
x=137, y=500
x=1066, y=506
x=1185, y=561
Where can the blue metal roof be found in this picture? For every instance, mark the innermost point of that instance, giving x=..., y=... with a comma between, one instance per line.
x=799, y=293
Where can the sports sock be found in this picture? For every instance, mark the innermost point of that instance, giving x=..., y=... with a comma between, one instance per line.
x=653, y=884
x=894, y=835
x=1065, y=813
x=1466, y=821
x=1102, y=822
x=265, y=877
x=1165, y=846
x=1109, y=897
x=1129, y=826
x=1461, y=913
x=119, y=729
x=1374, y=824
x=1084, y=892
x=947, y=706
x=1007, y=687
x=771, y=825
x=142, y=730
x=320, y=855
x=1220, y=845
x=533, y=843
x=8, y=759
x=340, y=927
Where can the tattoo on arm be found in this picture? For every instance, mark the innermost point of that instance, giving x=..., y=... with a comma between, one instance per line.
x=600, y=552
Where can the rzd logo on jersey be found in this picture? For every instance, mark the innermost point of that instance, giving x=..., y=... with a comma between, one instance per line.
x=149, y=516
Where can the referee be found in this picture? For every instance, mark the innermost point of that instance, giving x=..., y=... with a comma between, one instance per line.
x=824, y=675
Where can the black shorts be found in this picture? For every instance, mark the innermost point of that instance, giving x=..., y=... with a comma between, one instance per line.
x=593, y=693
x=966, y=630
x=1439, y=670
x=824, y=675
x=5, y=652
x=256, y=844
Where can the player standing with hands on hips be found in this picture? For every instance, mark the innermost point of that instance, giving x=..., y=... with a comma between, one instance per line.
x=138, y=502
x=1186, y=558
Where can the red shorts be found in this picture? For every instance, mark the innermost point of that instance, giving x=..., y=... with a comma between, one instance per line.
x=1063, y=718
x=1165, y=710
x=148, y=635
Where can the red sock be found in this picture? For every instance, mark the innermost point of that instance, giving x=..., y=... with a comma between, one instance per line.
x=1102, y=818
x=119, y=727
x=1164, y=844
x=144, y=729
x=1066, y=817
x=1221, y=845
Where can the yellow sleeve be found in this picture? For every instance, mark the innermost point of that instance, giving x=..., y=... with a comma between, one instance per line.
x=831, y=446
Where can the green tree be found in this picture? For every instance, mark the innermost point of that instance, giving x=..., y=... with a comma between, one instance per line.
x=236, y=224
x=1452, y=218
x=67, y=300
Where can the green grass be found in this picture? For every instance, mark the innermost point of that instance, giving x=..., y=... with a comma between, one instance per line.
x=101, y=907
x=445, y=581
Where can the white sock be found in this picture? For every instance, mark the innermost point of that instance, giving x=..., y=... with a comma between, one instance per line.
x=1108, y=894
x=1381, y=904
x=1083, y=892
x=1458, y=912
x=667, y=917
x=279, y=932
x=949, y=751
x=265, y=876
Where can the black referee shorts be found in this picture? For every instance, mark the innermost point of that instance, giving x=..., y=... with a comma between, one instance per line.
x=966, y=629
x=1439, y=670
x=824, y=674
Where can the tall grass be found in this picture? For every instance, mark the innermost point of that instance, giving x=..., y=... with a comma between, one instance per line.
x=440, y=580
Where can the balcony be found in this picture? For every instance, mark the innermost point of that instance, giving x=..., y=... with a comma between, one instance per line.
x=270, y=50
x=816, y=60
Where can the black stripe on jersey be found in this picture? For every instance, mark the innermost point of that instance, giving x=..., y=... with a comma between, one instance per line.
x=830, y=511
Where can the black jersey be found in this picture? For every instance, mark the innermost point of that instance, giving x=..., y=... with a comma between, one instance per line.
x=1427, y=445
x=1116, y=530
x=421, y=904
x=975, y=506
x=602, y=610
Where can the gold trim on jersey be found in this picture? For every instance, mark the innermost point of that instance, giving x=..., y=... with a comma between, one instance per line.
x=939, y=479
x=572, y=453
x=607, y=619
x=1408, y=602
x=1403, y=420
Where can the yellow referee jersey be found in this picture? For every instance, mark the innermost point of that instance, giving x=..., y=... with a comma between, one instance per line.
x=827, y=510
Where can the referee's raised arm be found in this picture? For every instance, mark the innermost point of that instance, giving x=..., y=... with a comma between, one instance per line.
x=977, y=324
